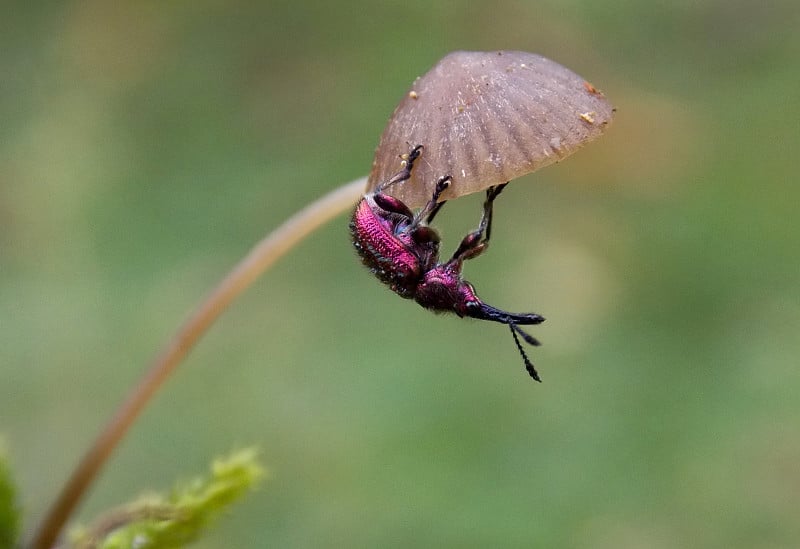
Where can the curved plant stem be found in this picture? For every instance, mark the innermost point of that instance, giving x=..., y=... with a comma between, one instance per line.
x=261, y=257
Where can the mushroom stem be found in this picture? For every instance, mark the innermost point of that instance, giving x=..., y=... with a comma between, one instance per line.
x=258, y=260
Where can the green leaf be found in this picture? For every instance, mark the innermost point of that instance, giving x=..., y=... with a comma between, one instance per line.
x=175, y=520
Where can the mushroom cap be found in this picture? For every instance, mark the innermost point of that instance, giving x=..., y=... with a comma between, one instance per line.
x=485, y=118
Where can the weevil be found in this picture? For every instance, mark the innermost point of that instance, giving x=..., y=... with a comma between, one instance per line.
x=402, y=251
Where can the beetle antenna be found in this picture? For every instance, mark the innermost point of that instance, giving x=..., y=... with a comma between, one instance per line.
x=528, y=364
x=483, y=311
x=529, y=339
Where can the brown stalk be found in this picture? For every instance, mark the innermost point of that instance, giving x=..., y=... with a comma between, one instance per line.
x=258, y=260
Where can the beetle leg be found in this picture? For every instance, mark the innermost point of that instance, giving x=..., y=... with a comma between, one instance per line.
x=392, y=205
x=430, y=209
x=435, y=210
x=486, y=220
x=405, y=172
x=476, y=242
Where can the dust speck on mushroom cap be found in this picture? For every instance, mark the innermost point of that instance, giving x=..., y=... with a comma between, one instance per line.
x=485, y=118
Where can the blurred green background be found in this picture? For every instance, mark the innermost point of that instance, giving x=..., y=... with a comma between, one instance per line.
x=144, y=147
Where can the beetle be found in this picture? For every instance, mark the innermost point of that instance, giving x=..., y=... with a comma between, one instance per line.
x=402, y=251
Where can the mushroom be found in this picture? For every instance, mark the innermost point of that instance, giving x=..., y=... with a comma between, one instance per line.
x=485, y=118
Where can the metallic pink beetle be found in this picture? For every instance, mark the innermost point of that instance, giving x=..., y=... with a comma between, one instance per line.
x=402, y=250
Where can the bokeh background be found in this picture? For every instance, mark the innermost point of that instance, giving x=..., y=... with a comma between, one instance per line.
x=144, y=147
